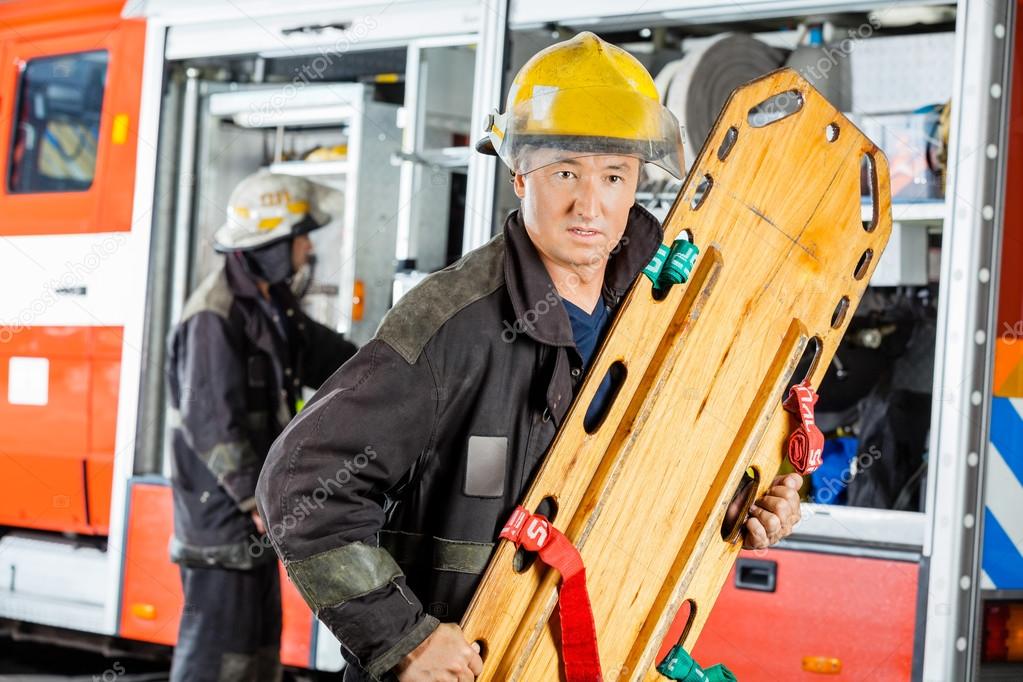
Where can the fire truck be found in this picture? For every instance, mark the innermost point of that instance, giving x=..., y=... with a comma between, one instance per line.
x=125, y=125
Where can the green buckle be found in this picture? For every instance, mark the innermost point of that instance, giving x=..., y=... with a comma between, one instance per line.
x=679, y=665
x=653, y=268
x=672, y=265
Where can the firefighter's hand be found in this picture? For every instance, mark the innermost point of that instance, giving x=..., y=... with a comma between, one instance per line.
x=256, y=519
x=773, y=515
x=444, y=656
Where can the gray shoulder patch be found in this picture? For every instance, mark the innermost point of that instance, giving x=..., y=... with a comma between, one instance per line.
x=410, y=324
x=212, y=294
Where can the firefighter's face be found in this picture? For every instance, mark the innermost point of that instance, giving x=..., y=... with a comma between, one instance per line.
x=301, y=251
x=575, y=210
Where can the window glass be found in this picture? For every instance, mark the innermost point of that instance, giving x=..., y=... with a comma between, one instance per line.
x=56, y=131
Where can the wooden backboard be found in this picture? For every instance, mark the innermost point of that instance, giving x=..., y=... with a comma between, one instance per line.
x=785, y=257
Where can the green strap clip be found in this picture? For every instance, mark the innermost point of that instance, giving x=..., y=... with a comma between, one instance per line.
x=679, y=665
x=672, y=265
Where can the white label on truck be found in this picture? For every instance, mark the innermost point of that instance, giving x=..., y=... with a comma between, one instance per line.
x=28, y=381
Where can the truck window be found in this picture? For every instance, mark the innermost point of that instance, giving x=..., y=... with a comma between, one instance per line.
x=56, y=123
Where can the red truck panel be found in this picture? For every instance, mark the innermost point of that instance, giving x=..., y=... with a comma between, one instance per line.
x=859, y=611
x=56, y=459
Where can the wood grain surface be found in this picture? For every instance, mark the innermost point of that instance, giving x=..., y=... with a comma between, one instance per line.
x=644, y=496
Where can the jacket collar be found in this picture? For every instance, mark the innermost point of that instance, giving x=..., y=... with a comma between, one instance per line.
x=533, y=295
x=239, y=279
x=254, y=310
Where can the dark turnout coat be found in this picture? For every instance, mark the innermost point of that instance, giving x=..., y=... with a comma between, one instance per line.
x=233, y=381
x=384, y=497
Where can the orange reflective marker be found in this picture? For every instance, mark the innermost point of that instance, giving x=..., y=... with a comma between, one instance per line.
x=822, y=664
x=358, y=300
x=143, y=611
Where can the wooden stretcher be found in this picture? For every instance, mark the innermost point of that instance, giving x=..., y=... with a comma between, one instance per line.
x=786, y=251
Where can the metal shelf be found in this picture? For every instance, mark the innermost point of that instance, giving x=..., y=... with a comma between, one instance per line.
x=307, y=169
x=445, y=157
x=537, y=14
x=913, y=212
x=861, y=526
x=272, y=106
x=668, y=197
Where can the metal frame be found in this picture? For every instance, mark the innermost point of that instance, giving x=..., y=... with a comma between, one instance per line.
x=858, y=527
x=129, y=393
x=413, y=119
x=488, y=93
x=184, y=216
x=204, y=28
x=532, y=14
x=410, y=118
x=371, y=215
x=966, y=320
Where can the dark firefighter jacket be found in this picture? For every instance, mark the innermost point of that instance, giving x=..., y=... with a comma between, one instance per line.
x=233, y=382
x=384, y=497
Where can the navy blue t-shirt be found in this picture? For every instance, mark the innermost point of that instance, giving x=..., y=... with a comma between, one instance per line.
x=588, y=330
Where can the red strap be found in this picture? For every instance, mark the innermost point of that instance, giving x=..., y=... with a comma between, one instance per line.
x=535, y=533
x=806, y=444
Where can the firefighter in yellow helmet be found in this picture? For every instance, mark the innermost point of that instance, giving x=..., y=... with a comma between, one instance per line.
x=428, y=437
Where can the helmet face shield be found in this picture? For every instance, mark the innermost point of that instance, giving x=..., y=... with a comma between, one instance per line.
x=587, y=121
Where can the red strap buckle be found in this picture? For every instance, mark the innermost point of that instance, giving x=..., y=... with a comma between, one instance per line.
x=806, y=443
x=513, y=526
x=535, y=533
